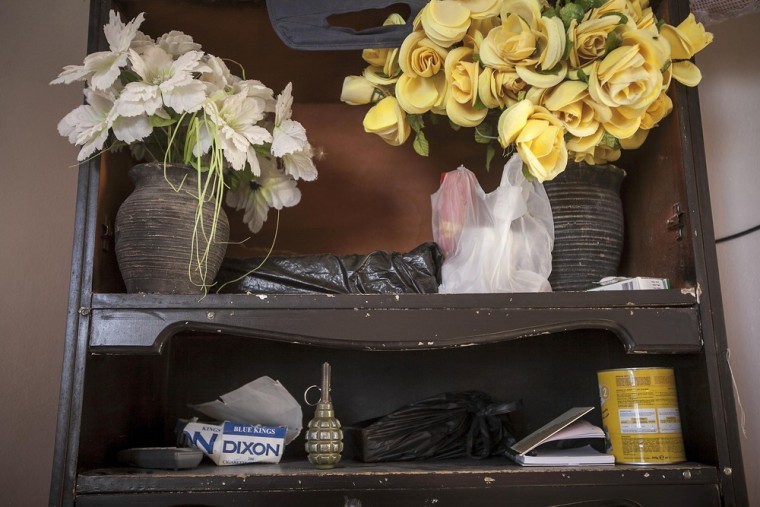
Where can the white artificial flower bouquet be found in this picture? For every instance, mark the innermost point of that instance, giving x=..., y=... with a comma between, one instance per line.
x=168, y=101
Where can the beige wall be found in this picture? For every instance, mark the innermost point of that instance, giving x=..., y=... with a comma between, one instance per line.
x=730, y=103
x=37, y=197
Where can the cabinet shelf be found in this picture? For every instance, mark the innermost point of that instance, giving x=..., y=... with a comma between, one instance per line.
x=664, y=321
x=493, y=472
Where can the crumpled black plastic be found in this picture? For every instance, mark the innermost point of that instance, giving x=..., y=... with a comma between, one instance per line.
x=445, y=426
x=379, y=272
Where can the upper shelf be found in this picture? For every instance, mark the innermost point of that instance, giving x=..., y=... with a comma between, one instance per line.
x=663, y=321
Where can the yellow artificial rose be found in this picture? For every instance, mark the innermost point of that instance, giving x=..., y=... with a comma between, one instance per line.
x=510, y=44
x=647, y=21
x=538, y=136
x=687, y=39
x=418, y=95
x=358, y=90
x=635, y=141
x=588, y=40
x=483, y=26
x=572, y=104
x=659, y=109
x=629, y=75
x=547, y=69
x=377, y=77
x=499, y=89
x=637, y=9
x=624, y=121
x=528, y=10
x=607, y=8
x=582, y=148
x=686, y=73
x=445, y=22
x=419, y=56
x=387, y=120
x=594, y=153
x=462, y=94
x=482, y=9
x=385, y=58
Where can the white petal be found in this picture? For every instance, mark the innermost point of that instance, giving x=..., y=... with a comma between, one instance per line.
x=299, y=165
x=188, y=98
x=289, y=137
x=70, y=74
x=119, y=35
x=283, y=109
x=104, y=68
x=132, y=129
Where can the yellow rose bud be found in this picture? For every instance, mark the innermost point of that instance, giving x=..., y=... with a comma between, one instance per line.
x=588, y=40
x=528, y=10
x=637, y=9
x=358, y=90
x=571, y=103
x=462, y=77
x=418, y=95
x=499, y=89
x=630, y=75
x=510, y=44
x=583, y=147
x=686, y=39
x=385, y=58
x=538, y=136
x=624, y=122
x=512, y=121
x=445, y=22
x=419, y=56
x=387, y=120
x=659, y=109
x=608, y=7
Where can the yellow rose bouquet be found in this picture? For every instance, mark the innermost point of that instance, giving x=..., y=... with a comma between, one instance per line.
x=580, y=80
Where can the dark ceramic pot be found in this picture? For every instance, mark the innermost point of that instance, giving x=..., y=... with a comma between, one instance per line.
x=588, y=225
x=154, y=233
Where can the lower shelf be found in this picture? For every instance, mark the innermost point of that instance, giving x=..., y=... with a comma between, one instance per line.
x=350, y=475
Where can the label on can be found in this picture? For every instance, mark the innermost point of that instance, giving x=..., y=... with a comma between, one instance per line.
x=640, y=415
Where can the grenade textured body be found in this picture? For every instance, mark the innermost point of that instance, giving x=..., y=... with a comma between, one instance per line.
x=324, y=438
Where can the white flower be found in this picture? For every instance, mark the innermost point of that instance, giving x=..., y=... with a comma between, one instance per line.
x=289, y=136
x=218, y=77
x=177, y=43
x=165, y=82
x=300, y=165
x=88, y=124
x=279, y=190
x=271, y=190
x=101, y=69
x=248, y=198
x=237, y=131
x=258, y=91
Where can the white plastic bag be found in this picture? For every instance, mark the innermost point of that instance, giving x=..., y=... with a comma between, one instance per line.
x=497, y=242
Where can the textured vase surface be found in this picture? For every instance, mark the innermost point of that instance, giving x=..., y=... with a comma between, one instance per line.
x=154, y=233
x=588, y=225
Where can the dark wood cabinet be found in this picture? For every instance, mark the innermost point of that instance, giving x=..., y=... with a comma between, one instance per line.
x=133, y=363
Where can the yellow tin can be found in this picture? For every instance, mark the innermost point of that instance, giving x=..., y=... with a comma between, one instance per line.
x=640, y=415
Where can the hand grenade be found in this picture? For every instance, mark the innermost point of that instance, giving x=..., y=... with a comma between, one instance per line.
x=324, y=438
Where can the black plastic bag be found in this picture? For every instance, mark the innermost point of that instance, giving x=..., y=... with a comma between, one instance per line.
x=448, y=425
x=379, y=272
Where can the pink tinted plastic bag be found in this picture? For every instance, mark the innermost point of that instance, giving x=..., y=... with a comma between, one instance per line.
x=496, y=242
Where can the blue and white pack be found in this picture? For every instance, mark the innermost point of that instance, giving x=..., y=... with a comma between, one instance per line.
x=234, y=443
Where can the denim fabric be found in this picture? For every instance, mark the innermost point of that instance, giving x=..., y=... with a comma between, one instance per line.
x=302, y=24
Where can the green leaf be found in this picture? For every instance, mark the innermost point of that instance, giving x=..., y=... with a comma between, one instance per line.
x=521, y=95
x=666, y=66
x=659, y=24
x=613, y=42
x=490, y=153
x=623, y=19
x=158, y=121
x=421, y=145
x=570, y=12
x=611, y=141
x=484, y=133
x=435, y=119
x=582, y=76
x=585, y=4
x=595, y=4
x=454, y=126
x=551, y=12
x=416, y=122
x=526, y=172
